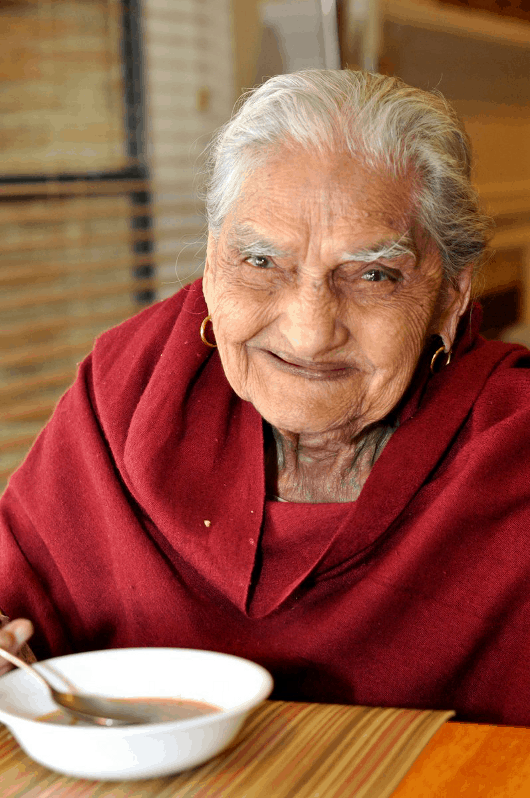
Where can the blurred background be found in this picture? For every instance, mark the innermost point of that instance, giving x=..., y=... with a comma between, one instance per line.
x=107, y=105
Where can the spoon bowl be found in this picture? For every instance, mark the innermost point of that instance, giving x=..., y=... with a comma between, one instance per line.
x=90, y=708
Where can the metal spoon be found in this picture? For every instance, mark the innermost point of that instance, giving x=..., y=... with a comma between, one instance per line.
x=90, y=708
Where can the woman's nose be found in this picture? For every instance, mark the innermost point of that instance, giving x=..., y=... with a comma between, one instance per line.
x=310, y=324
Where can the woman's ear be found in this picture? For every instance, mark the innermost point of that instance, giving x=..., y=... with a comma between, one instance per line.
x=457, y=301
x=209, y=264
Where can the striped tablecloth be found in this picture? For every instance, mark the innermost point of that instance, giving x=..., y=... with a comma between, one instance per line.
x=285, y=750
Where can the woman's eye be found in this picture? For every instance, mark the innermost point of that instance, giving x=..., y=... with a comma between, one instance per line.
x=260, y=261
x=378, y=276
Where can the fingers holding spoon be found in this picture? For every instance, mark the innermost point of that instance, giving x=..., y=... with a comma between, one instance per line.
x=13, y=638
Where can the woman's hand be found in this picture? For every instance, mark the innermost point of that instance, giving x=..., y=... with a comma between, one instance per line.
x=13, y=638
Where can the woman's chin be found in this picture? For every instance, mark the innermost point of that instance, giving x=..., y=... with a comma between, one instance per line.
x=303, y=416
x=299, y=422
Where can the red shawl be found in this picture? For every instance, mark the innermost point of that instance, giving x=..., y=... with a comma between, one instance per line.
x=139, y=519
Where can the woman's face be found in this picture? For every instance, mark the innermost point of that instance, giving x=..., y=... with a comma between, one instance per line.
x=322, y=291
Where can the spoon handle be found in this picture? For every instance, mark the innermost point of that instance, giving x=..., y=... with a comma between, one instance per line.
x=24, y=665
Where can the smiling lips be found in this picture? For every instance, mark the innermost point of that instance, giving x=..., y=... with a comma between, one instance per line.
x=309, y=368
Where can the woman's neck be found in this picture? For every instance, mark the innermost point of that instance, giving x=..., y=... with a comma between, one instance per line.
x=327, y=467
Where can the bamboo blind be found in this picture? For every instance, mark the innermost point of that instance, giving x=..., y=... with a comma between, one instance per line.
x=61, y=87
x=67, y=273
x=70, y=249
x=80, y=255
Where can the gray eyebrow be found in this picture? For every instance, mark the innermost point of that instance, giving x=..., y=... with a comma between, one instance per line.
x=389, y=250
x=246, y=240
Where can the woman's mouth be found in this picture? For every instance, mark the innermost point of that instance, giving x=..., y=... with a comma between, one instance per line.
x=311, y=369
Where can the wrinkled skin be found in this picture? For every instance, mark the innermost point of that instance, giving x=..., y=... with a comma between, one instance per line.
x=324, y=345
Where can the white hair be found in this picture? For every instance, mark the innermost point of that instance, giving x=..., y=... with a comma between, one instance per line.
x=373, y=117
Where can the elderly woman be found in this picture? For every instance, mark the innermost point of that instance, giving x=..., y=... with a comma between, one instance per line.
x=310, y=459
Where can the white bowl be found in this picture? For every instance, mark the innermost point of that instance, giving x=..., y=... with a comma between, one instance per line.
x=142, y=751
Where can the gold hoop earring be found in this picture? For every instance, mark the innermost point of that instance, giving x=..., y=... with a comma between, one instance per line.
x=437, y=354
x=203, y=333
